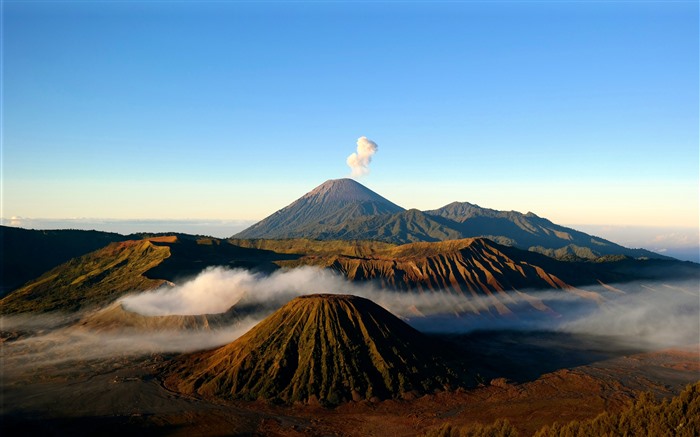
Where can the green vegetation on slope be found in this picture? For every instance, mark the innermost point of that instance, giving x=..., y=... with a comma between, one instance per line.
x=679, y=416
x=306, y=246
x=90, y=280
x=474, y=266
x=116, y=317
x=26, y=254
x=135, y=265
x=500, y=428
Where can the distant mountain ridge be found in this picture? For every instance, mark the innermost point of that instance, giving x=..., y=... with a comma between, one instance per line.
x=344, y=209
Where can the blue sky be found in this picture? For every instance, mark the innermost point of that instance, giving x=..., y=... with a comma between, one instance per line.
x=582, y=112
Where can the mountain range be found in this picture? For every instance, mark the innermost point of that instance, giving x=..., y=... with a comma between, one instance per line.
x=347, y=210
x=475, y=266
x=341, y=226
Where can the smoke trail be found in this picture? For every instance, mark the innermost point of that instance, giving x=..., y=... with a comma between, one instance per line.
x=359, y=161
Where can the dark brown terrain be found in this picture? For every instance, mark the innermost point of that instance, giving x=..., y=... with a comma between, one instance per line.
x=546, y=378
x=470, y=267
x=505, y=334
x=325, y=349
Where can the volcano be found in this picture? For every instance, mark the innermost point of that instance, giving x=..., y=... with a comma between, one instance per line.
x=343, y=209
x=329, y=205
x=323, y=348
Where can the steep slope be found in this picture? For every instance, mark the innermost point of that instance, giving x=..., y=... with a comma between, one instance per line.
x=473, y=267
x=530, y=232
x=92, y=279
x=400, y=228
x=468, y=266
x=330, y=204
x=116, y=317
x=27, y=254
x=134, y=265
x=325, y=348
x=466, y=261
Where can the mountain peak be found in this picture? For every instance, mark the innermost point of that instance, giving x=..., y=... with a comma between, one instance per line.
x=343, y=190
x=321, y=348
x=334, y=202
x=329, y=297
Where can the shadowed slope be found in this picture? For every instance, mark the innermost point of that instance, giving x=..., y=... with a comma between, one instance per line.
x=331, y=203
x=344, y=209
x=402, y=227
x=476, y=267
x=529, y=231
x=328, y=348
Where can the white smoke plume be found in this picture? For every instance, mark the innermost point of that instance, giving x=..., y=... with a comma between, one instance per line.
x=359, y=161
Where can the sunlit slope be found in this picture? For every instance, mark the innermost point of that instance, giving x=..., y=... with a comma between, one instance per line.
x=116, y=317
x=499, y=278
x=307, y=246
x=104, y=275
x=90, y=280
x=27, y=254
x=472, y=265
x=328, y=348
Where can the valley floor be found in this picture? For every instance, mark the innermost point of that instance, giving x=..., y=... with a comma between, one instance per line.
x=531, y=379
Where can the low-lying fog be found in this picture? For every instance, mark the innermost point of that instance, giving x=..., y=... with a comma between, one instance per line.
x=647, y=315
x=664, y=313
